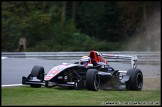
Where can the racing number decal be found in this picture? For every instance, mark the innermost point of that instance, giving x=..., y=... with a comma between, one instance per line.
x=55, y=70
x=59, y=68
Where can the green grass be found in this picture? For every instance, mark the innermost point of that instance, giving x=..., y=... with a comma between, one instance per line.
x=26, y=95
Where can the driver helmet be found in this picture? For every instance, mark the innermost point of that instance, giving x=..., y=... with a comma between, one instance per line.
x=85, y=60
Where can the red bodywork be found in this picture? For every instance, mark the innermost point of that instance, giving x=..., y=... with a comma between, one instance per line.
x=97, y=57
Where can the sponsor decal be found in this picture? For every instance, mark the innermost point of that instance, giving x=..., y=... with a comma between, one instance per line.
x=55, y=70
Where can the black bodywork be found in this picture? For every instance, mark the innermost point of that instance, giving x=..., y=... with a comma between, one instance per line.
x=80, y=77
x=95, y=76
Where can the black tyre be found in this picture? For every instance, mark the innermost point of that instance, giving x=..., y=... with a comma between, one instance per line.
x=35, y=85
x=136, y=79
x=38, y=71
x=92, y=80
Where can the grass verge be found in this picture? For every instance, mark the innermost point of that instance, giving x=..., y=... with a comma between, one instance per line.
x=58, y=96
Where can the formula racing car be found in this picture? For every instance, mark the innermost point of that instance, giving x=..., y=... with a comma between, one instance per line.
x=91, y=72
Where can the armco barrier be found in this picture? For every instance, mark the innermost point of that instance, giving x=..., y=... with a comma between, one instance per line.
x=142, y=56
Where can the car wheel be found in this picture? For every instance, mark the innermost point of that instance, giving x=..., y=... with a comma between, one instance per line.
x=35, y=85
x=38, y=71
x=92, y=80
x=135, y=81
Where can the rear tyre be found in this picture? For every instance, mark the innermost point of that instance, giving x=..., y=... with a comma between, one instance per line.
x=136, y=79
x=92, y=80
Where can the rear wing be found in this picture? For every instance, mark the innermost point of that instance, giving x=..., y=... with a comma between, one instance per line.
x=133, y=58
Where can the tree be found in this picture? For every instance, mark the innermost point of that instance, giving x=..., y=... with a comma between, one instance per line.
x=63, y=17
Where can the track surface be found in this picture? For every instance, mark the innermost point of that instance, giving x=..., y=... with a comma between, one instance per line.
x=12, y=69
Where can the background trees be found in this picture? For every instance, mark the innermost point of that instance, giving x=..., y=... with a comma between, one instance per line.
x=77, y=25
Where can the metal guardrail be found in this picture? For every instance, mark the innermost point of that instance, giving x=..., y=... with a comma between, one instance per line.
x=142, y=56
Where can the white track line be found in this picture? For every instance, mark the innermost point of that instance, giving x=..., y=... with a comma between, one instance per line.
x=153, y=77
x=11, y=85
x=3, y=57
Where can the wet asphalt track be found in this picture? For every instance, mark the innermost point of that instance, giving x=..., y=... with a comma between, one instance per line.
x=12, y=69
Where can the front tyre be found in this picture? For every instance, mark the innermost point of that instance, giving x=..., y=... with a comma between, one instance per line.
x=38, y=72
x=92, y=80
x=35, y=85
x=136, y=79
